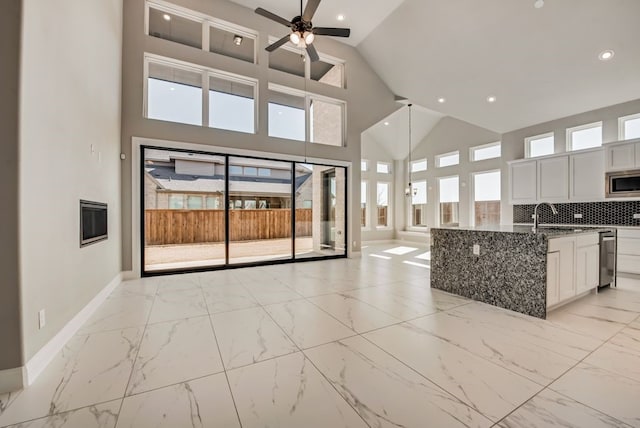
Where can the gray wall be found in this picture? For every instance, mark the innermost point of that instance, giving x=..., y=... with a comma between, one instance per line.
x=368, y=100
x=10, y=27
x=513, y=142
x=70, y=96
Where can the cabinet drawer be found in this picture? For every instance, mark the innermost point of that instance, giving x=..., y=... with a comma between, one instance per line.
x=556, y=244
x=587, y=239
x=629, y=246
x=629, y=264
x=629, y=233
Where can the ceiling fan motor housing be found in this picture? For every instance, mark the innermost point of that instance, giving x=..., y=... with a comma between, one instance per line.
x=301, y=26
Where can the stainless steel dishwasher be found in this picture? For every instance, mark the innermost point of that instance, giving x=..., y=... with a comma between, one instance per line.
x=608, y=258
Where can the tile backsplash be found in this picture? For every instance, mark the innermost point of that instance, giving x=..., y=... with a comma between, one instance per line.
x=609, y=213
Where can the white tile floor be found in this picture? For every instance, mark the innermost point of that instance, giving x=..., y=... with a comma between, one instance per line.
x=340, y=343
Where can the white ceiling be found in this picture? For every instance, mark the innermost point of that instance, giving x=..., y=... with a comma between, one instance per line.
x=541, y=64
x=362, y=16
x=394, y=137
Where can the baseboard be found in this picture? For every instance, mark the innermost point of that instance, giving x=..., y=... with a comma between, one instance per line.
x=12, y=379
x=36, y=365
x=129, y=275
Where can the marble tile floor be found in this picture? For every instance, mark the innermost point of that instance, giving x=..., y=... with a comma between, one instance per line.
x=337, y=343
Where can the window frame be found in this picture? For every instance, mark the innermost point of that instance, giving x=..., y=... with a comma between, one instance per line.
x=364, y=162
x=417, y=161
x=439, y=202
x=388, y=164
x=389, y=224
x=621, y=121
x=308, y=96
x=444, y=155
x=410, y=225
x=367, y=220
x=472, y=193
x=528, y=140
x=570, y=131
x=472, y=151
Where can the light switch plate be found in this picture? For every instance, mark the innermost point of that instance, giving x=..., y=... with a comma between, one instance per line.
x=476, y=249
x=41, y=319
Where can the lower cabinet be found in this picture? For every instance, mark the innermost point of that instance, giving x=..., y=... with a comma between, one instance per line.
x=572, y=266
x=629, y=251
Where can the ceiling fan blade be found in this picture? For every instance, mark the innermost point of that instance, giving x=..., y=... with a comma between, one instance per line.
x=336, y=32
x=273, y=17
x=313, y=53
x=310, y=9
x=272, y=47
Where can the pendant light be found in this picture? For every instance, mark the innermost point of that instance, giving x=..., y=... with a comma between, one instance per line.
x=409, y=191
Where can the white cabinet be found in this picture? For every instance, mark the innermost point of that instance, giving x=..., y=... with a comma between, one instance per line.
x=586, y=176
x=572, y=267
x=628, y=251
x=623, y=156
x=522, y=179
x=553, y=179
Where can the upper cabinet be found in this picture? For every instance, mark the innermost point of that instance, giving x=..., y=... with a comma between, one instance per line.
x=623, y=156
x=575, y=177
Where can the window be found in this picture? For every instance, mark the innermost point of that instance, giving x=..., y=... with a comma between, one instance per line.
x=264, y=172
x=486, y=196
x=213, y=202
x=419, y=204
x=419, y=165
x=629, y=127
x=487, y=151
x=232, y=104
x=448, y=159
x=584, y=137
x=170, y=24
x=174, y=94
x=363, y=203
x=176, y=202
x=329, y=71
x=232, y=41
x=449, y=194
x=540, y=145
x=383, y=168
x=364, y=165
x=382, y=203
x=194, y=202
x=250, y=171
x=287, y=60
x=235, y=170
x=326, y=121
x=286, y=116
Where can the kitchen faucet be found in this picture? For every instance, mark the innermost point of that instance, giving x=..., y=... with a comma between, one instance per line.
x=535, y=214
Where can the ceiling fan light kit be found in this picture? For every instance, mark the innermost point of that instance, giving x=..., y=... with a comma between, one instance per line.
x=303, y=33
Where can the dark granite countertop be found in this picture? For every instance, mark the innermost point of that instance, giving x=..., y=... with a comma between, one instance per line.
x=547, y=231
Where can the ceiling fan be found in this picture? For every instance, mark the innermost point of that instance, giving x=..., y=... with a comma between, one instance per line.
x=302, y=30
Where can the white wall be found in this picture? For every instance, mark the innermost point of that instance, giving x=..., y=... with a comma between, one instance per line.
x=70, y=93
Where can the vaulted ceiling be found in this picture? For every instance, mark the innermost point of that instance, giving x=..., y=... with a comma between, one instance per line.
x=540, y=64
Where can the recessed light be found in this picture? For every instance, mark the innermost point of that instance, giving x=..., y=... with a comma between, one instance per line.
x=340, y=17
x=172, y=88
x=386, y=124
x=491, y=99
x=166, y=17
x=538, y=4
x=442, y=100
x=606, y=55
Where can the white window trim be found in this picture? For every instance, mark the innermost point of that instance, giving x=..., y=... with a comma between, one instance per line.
x=308, y=96
x=410, y=227
x=437, y=201
x=472, y=151
x=384, y=163
x=621, y=122
x=367, y=218
x=426, y=162
x=205, y=72
x=570, y=132
x=366, y=162
x=201, y=18
x=444, y=155
x=389, y=205
x=528, y=140
x=472, y=191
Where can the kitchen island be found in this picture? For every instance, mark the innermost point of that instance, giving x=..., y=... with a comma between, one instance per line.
x=515, y=268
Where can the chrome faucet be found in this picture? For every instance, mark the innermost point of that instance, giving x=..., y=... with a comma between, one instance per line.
x=535, y=214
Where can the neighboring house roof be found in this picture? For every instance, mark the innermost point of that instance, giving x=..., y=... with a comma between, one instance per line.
x=167, y=179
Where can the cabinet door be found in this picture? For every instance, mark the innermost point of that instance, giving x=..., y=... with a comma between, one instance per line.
x=621, y=157
x=586, y=179
x=566, y=249
x=587, y=268
x=523, y=182
x=553, y=179
x=553, y=278
x=637, y=155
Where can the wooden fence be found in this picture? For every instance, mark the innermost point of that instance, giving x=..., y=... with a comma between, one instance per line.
x=167, y=227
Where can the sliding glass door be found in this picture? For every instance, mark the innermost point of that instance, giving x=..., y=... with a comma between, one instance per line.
x=205, y=211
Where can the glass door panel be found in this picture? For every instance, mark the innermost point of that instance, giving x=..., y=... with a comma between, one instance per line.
x=184, y=213
x=259, y=210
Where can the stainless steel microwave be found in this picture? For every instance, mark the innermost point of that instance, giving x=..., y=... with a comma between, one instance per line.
x=623, y=184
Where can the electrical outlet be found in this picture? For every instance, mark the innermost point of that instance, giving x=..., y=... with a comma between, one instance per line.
x=476, y=249
x=533, y=216
x=577, y=216
x=636, y=216
x=41, y=319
